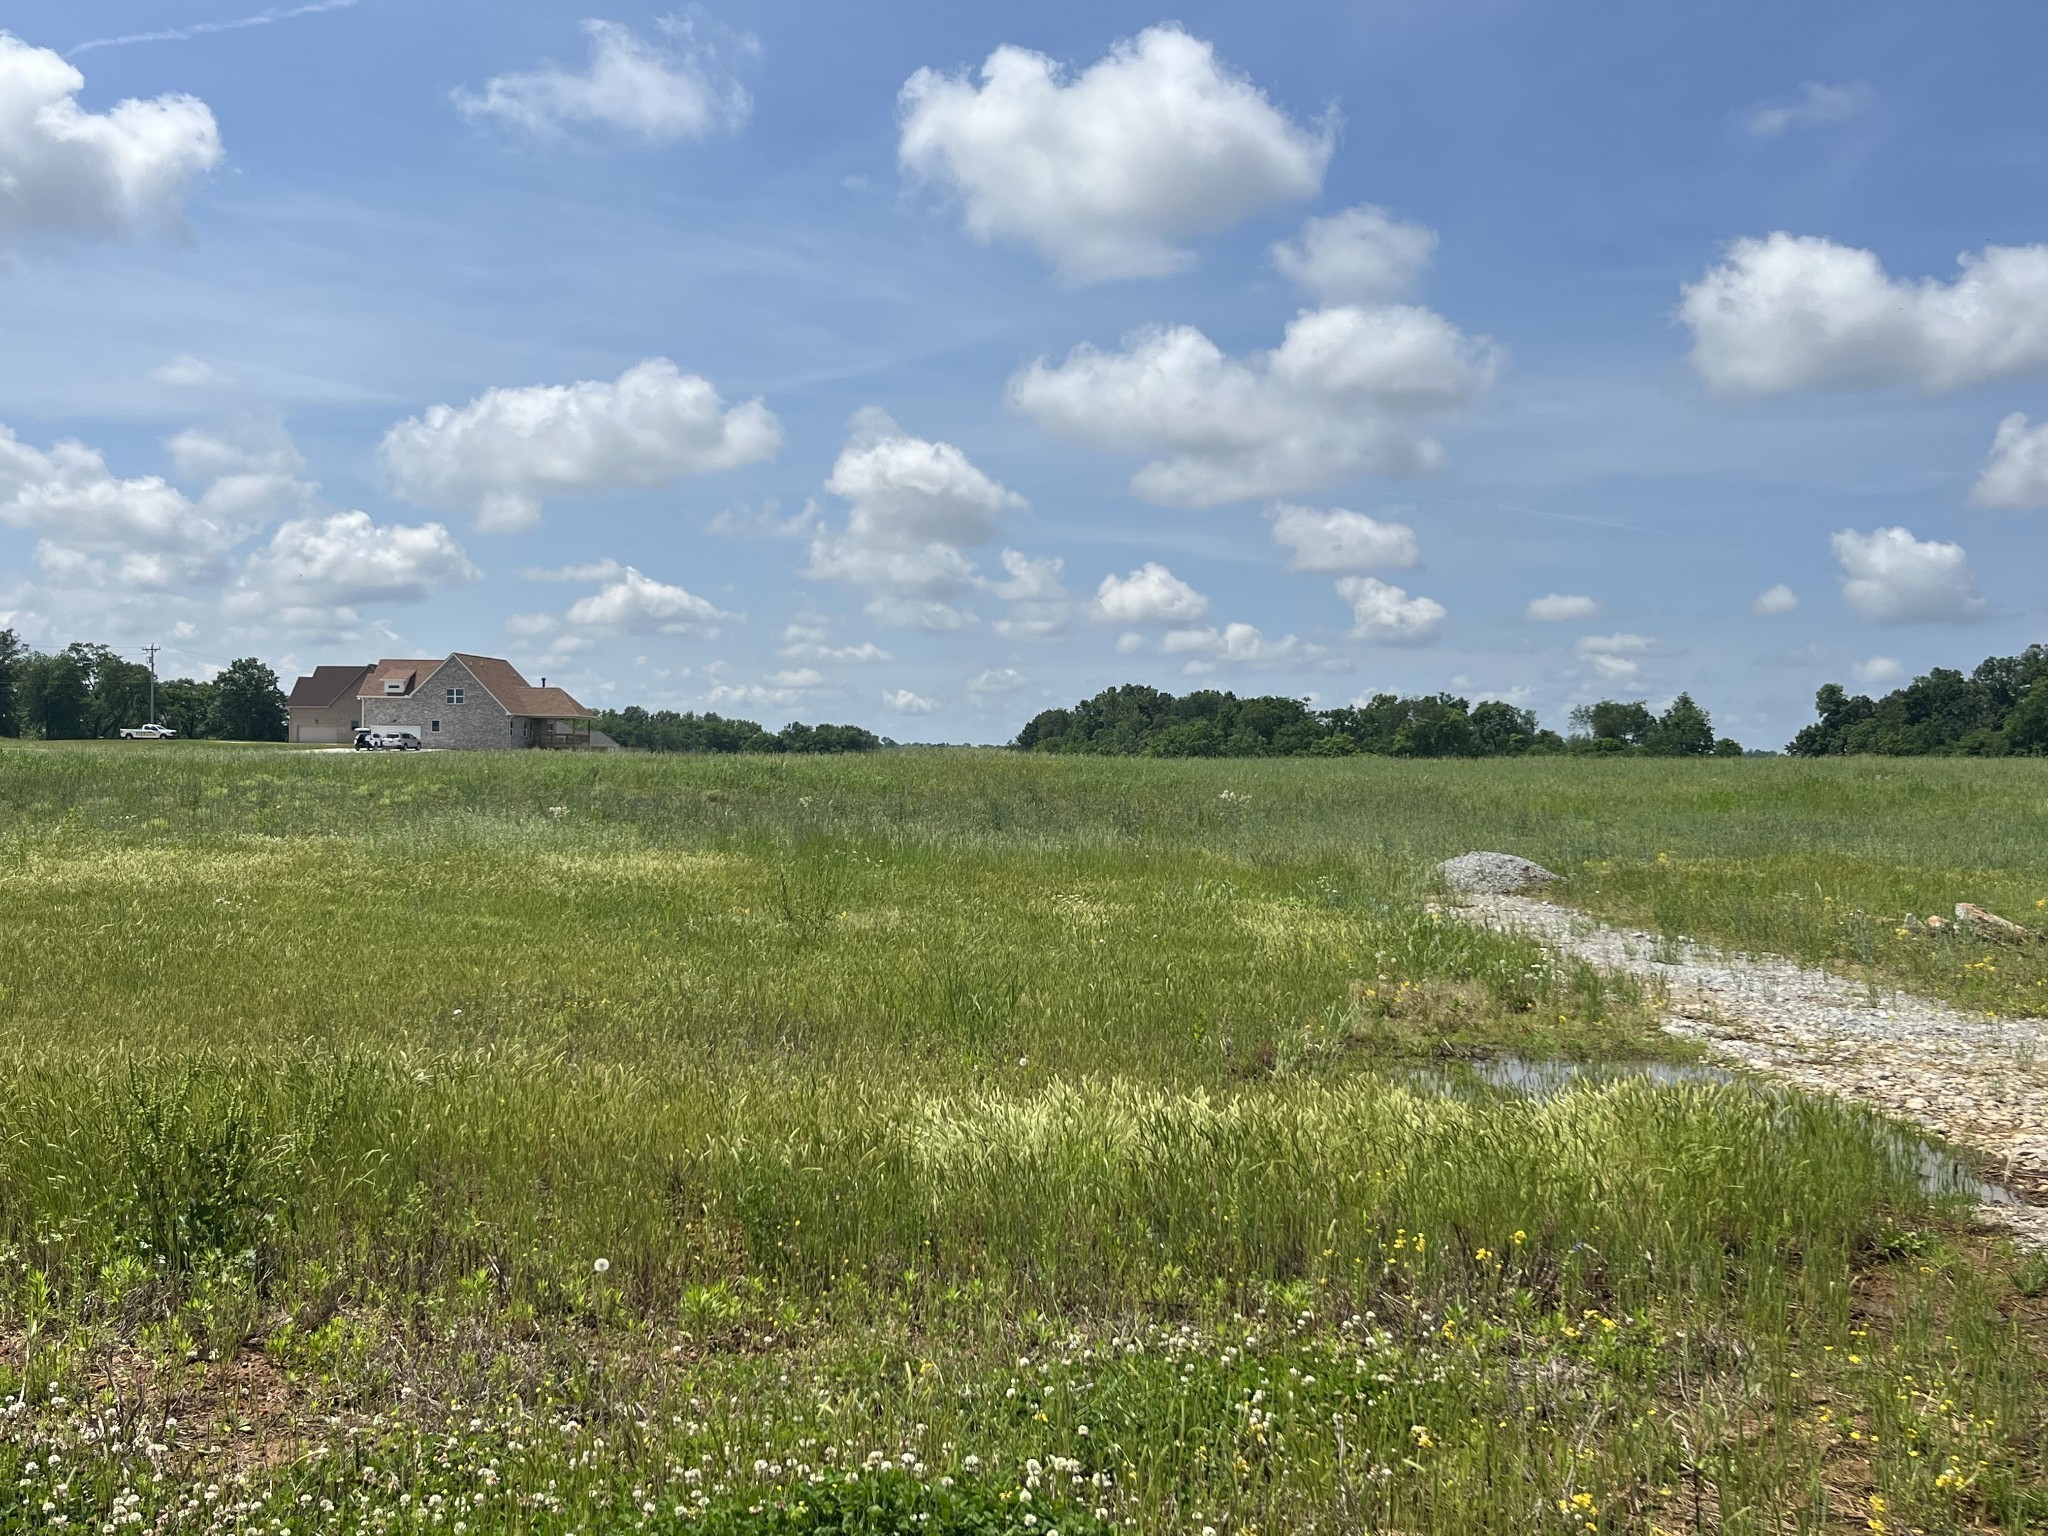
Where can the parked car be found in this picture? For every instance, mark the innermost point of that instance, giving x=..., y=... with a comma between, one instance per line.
x=150, y=732
x=387, y=741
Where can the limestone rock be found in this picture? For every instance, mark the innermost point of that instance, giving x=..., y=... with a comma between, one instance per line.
x=1493, y=873
x=1989, y=925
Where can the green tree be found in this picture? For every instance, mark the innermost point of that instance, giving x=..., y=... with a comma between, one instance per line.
x=1435, y=727
x=248, y=705
x=11, y=651
x=1941, y=712
x=1187, y=738
x=118, y=690
x=56, y=696
x=1614, y=726
x=2026, y=728
x=1683, y=730
x=1500, y=730
x=185, y=705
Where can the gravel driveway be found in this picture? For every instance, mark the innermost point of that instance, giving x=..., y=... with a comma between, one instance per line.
x=1979, y=1082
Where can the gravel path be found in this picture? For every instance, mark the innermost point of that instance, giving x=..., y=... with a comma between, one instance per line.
x=1978, y=1082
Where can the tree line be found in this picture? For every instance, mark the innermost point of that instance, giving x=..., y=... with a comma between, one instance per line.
x=1137, y=721
x=665, y=730
x=1999, y=710
x=87, y=691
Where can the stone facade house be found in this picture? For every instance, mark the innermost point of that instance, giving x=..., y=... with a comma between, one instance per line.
x=470, y=703
x=323, y=706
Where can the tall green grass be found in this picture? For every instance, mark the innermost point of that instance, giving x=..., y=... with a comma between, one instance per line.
x=608, y=1143
x=1087, y=1193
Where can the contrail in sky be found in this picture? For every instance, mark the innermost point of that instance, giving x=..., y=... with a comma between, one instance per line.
x=202, y=28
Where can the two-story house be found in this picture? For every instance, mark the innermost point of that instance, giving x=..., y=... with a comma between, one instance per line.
x=470, y=703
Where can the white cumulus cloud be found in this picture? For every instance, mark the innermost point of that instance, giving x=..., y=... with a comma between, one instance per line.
x=1878, y=669
x=99, y=529
x=765, y=521
x=635, y=604
x=914, y=507
x=1345, y=393
x=1107, y=172
x=1614, y=656
x=1041, y=607
x=1815, y=105
x=66, y=170
x=806, y=640
x=188, y=372
x=753, y=695
x=253, y=448
x=1239, y=645
x=1614, y=645
x=1151, y=594
x=996, y=680
x=1337, y=540
x=2016, y=473
x=1797, y=312
x=1387, y=614
x=904, y=702
x=316, y=571
x=1363, y=255
x=592, y=571
x=1890, y=577
x=498, y=457
x=658, y=91
x=1774, y=601
x=1557, y=607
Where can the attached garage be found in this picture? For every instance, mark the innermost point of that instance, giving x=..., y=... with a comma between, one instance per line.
x=323, y=706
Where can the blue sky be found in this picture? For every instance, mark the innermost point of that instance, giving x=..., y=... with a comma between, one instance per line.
x=727, y=357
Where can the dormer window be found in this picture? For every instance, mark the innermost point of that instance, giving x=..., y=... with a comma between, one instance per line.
x=454, y=695
x=394, y=685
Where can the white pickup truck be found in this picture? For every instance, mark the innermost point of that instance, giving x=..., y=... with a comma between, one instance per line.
x=151, y=732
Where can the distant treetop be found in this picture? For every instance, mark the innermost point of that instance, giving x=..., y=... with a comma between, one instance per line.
x=2000, y=709
x=1134, y=720
x=664, y=730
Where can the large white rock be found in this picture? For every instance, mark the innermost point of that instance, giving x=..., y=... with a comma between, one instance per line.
x=1492, y=872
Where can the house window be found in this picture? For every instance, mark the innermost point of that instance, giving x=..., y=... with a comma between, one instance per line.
x=394, y=685
x=454, y=695
x=437, y=727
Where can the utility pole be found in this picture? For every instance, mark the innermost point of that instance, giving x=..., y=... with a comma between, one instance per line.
x=150, y=651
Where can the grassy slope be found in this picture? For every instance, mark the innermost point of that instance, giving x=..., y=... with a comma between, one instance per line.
x=869, y=1078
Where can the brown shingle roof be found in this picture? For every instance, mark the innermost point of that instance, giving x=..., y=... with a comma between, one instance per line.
x=518, y=695
x=409, y=671
x=500, y=678
x=326, y=685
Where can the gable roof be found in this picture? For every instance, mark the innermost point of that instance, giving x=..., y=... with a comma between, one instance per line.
x=518, y=695
x=411, y=673
x=326, y=686
x=499, y=678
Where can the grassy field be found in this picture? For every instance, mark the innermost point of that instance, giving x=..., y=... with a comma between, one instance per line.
x=962, y=1141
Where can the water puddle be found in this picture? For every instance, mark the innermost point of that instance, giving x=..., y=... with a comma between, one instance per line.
x=1942, y=1173
x=1538, y=1079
